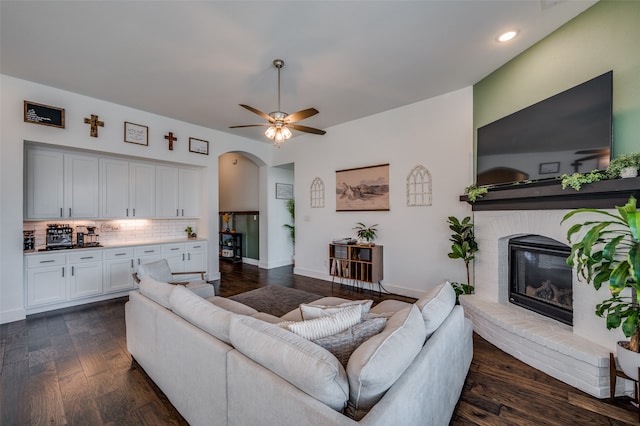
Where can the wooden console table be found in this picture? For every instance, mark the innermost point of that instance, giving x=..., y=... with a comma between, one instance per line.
x=614, y=373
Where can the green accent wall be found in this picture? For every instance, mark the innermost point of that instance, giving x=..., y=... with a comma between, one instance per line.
x=604, y=37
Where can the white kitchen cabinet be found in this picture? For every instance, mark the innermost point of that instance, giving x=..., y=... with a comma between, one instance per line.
x=147, y=254
x=61, y=186
x=175, y=255
x=128, y=189
x=118, y=269
x=196, y=256
x=85, y=278
x=177, y=192
x=46, y=279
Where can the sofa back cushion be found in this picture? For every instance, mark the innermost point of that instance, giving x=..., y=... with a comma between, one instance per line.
x=157, y=291
x=201, y=313
x=436, y=305
x=302, y=363
x=375, y=366
x=311, y=311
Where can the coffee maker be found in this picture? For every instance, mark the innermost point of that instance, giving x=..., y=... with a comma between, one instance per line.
x=86, y=236
x=59, y=236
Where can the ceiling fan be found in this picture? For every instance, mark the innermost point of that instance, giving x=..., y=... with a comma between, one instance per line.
x=280, y=122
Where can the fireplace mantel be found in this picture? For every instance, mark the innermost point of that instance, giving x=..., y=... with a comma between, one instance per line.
x=550, y=196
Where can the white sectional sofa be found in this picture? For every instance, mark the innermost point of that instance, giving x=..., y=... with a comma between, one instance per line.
x=223, y=363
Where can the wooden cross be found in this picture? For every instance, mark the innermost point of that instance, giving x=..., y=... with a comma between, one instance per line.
x=171, y=139
x=94, y=125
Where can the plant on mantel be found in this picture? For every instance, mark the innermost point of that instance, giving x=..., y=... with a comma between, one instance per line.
x=607, y=251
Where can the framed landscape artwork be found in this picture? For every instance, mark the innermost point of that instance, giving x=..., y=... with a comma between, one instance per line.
x=363, y=189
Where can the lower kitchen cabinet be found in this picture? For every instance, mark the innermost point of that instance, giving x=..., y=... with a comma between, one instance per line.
x=118, y=270
x=55, y=280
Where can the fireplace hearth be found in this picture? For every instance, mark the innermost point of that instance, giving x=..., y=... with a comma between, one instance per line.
x=539, y=278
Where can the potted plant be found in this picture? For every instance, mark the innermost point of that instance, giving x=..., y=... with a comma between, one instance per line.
x=463, y=247
x=291, y=208
x=608, y=251
x=366, y=234
x=576, y=180
x=190, y=233
x=475, y=192
x=626, y=165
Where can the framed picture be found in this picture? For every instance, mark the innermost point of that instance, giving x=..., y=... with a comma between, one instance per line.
x=363, y=189
x=284, y=191
x=136, y=133
x=43, y=114
x=199, y=146
x=547, y=168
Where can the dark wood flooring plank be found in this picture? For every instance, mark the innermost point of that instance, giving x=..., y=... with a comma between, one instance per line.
x=45, y=399
x=15, y=394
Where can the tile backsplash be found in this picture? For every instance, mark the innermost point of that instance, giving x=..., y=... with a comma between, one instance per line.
x=120, y=231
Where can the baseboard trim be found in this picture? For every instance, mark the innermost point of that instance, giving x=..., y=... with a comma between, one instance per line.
x=12, y=315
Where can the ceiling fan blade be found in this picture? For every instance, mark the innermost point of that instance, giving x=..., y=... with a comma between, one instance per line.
x=250, y=125
x=306, y=129
x=301, y=115
x=257, y=111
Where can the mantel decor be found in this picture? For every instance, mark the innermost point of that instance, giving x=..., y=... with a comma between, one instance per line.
x=43, y=114
x=605, y=194
x=136, y=133
x=363, y=189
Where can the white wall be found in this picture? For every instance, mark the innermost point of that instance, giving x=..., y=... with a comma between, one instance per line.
x=436, y=133
x=14, y=132
x=239, y=183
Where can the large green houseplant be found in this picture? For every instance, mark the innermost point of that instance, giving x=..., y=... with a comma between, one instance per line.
x=463, y=246
x=607, y=251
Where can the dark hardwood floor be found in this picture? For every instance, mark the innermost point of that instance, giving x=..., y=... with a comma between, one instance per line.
x=72, y=367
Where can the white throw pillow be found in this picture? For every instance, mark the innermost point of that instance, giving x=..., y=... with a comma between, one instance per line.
x=326, y=326
x=435, y=306
x=157, y=291
x=378, y=363
x=310, y=311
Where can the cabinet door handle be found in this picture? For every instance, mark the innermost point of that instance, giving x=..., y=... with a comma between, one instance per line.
x=69, y=211
x=183, y=257
x=182, y=212
x=132, y=263
x=177, y=212
x=127, y=212
x=149, y=251
x=134, y=212
x=86, y=257
x=120, y=254
x=60, y=211
x=195, y=247
x=47, y=261
x=73, y=271
x=189, y=256
x=176, y=248
x=63, y=272
x=138, y=261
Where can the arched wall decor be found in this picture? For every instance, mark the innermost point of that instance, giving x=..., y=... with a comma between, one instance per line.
x=317, y=194
x=419, y=187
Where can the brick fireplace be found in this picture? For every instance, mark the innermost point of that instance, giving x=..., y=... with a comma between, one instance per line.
x=576, y=354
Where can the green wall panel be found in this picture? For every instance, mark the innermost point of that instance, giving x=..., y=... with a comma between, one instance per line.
x=604, y=37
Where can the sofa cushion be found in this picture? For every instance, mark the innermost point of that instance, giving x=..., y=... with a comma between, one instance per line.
x=311, y=311
x=389, y=306
x=342, y=345
x=158, y=270
x=294, y=314
x=327, y=325
x=436, y=305
x=263, y=316
x=302, y=363
x=201, y=313
x=232, y=305
x=157, y=291
x=375, y=366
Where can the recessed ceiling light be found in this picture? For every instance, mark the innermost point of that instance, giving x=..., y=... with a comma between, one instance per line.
x=507, y=36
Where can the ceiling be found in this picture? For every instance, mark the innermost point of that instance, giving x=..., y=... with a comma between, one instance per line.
x=195, y=61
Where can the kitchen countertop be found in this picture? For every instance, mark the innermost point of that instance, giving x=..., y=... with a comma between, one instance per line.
x=115, y=245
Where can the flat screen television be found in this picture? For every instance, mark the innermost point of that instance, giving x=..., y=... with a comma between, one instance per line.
x=566, y=133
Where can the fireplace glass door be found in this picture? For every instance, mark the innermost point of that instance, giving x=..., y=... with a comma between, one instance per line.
x=540, y=279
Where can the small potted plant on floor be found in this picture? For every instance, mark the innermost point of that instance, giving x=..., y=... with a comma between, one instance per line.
x=366, y=234
x=607, y=251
